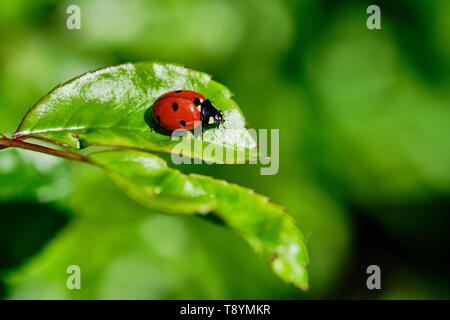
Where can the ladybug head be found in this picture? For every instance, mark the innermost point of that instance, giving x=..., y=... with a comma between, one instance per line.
x=210, y=114
x=218, y=116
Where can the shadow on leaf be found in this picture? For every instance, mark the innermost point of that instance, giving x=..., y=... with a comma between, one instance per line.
x=25, y=228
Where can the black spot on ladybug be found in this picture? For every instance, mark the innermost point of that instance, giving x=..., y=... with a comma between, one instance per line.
x=197, y=102
x=183, y=123
x=178, y=91
x=174, y=106
x=158, y=119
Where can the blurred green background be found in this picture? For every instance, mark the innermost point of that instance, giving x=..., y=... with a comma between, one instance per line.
x=364, y=119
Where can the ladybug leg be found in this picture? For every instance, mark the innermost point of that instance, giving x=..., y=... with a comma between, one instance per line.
x=197, y=132
x=203, y=128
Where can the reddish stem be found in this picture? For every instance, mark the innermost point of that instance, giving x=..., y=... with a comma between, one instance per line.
x=6, y=142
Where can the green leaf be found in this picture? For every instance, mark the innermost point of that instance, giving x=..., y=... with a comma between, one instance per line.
x=25, y=228
x=32, y=176
x=265, y=226
x=112, y=107
x=30, y=216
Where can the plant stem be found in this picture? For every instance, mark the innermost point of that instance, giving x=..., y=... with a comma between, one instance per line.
x=6, y=142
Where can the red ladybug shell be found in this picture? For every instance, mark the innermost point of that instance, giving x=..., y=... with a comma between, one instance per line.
x=178, y=110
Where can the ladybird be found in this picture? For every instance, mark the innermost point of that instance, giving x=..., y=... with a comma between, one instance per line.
x=184, y=109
